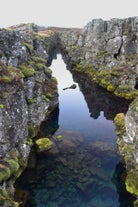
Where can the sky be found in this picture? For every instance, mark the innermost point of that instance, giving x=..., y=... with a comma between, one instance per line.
x=64, y=13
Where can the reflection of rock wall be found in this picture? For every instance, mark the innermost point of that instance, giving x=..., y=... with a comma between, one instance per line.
x=98, y=99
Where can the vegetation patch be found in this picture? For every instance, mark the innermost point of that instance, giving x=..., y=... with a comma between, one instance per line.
x=32, y=131
x=10, y=74
x=29, y=46
x=48, y=71
x=37, y=59
x=5, y=199
x=136, y=203
x=103, y=53
x=27, y=70
x=45, y=98
x=8, y=168
x=120, y=121
x=43, y=143
x=110, y=79
x=59, y=137
x=1, y=106
x=31, y=101
x=131, y=182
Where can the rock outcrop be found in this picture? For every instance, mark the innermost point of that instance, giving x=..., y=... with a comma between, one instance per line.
x=127, y=131
x=27, y=92
x=104, y=51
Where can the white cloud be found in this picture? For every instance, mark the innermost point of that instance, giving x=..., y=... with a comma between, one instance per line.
x=75, y=13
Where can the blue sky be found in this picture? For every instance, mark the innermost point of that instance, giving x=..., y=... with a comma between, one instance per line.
x=62, y=13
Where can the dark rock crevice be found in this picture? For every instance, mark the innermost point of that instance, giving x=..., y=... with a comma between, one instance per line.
x=119, y=50
x=136, y=85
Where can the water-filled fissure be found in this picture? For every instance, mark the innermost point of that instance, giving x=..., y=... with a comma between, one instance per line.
x=82, y=169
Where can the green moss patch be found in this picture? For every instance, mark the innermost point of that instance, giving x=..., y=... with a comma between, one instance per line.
x=43, y=143
x=136, y=203
x=27, y=70
x=1, y=106
x=29, y=46
x=32, y=131
x=13, y=165
x=131, y=182
x=120, y=121
x=10, y=74
x=6, y=200
x=48, y=71
x=37, y=59
x=109, y=78
x=8, y=168
x=5, y=173
x=59, y=137
x=31, y=101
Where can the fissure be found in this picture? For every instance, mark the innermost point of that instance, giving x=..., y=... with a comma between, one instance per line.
x=29, y=92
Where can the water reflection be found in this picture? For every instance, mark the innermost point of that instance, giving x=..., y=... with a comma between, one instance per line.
x=98, y=99
x=81, y=169
x=74, y=112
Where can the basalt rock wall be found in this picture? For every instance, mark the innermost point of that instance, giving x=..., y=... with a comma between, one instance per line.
x=109, y=49
x=27, y=92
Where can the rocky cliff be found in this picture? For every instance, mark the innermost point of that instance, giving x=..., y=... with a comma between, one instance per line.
x=127, y=131
x=104, y=51
x=27, y=92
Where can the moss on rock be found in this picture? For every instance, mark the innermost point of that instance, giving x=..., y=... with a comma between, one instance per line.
x=32, y=131
x=6, y=200
x=10, y=74
x=29, y=46
x=131, y=182
x=59, y=137
x=136, y=203
x=1, y=106
x=48, y=71
x=8, y=168
x=37, y=59
x=110, y=79
x=13, y=165
x=5, y=173
x=120, y=122
x=27, y=70
x=43, y=143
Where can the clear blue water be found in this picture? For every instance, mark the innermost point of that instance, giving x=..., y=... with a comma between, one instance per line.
x=83, y=168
